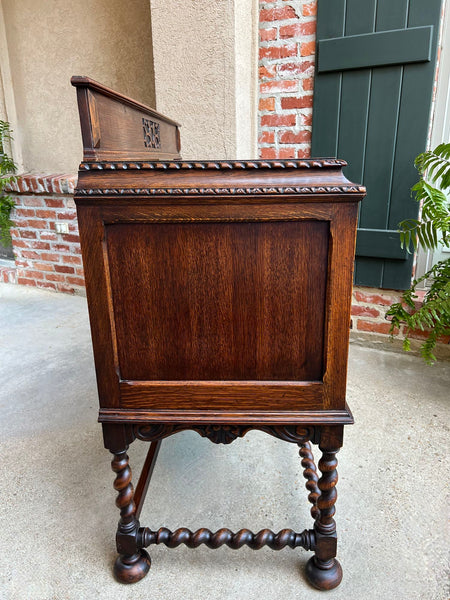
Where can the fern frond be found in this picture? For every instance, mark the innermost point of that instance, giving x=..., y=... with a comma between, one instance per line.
x=434, y=314
x=432, y=228
x=430, y=163
x=7, y=170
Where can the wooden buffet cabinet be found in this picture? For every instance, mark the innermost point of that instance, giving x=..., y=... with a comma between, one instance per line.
x=219, y=299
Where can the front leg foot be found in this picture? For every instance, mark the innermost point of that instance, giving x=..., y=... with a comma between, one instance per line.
x=130, y=569
x=323, y=575
x=323, y=571
x=133, y=563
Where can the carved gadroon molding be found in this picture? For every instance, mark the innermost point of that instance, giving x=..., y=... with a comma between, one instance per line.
x=343, y=189
x=225, y=434
x=220, y=165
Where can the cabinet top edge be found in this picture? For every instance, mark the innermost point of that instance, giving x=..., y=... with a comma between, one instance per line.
x=81, y=81
x=216, y=165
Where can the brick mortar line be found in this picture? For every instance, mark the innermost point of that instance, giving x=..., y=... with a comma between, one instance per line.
x=41, y=194
x=275, y=76
x=287, y=41
x=267, y=25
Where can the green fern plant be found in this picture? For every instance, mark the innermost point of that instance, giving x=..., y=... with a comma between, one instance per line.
x=7, y=170
x=430, y=230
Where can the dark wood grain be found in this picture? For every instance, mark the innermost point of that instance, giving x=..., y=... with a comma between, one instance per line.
x=141, y=179
x=310, y=474
x=221, y=395
x=98, y=288
x=219, y=300
x=102, y=109
x=133, y=563
x=225, y=433
x=323, y=570
x=269, y=416
x=337, y=328
x=145, y=476
x=286, y=538
x=185, y=210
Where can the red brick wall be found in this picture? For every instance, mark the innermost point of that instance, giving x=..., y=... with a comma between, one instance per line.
x=44, y=258
x=369, y=306
x=286, y=77
x=287, y=39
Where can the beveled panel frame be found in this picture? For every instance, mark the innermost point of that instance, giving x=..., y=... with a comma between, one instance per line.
x=224, y=397
x=220, y=301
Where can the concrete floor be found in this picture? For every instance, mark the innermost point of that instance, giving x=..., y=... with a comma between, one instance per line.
x=57, y=510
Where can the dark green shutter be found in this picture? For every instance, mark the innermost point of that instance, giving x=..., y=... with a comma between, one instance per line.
x=375, y=70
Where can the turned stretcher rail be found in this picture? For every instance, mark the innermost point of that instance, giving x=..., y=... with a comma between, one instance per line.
x=224, y=536
x=146, y=474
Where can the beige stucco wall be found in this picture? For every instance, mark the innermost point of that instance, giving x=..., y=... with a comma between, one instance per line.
x=4, y=117
x=246, y=32
x=48, y=42
x=205, y=73
x=2, y=101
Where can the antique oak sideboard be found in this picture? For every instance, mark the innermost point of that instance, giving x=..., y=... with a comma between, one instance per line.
x=219, y=301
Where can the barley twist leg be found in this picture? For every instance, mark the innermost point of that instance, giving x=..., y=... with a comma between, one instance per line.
x=310, y=474
x=323, y=570
x=133, y=563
